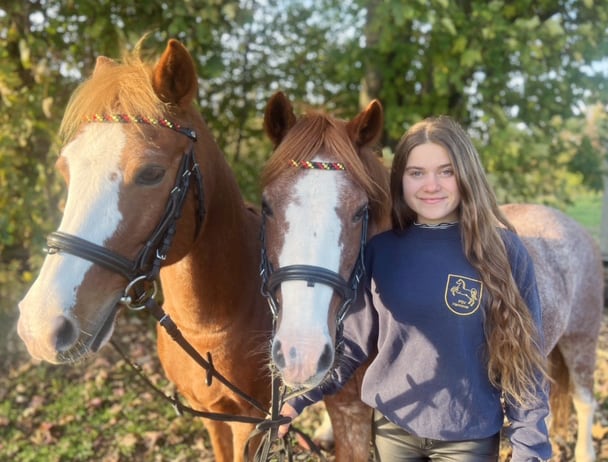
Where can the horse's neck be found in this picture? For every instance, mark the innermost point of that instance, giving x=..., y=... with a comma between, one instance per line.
x=216, y=282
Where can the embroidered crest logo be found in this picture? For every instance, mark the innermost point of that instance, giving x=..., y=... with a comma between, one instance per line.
x=463, y=294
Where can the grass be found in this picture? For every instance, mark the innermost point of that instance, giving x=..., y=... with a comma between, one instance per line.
x=97, y=410
x=587, y=210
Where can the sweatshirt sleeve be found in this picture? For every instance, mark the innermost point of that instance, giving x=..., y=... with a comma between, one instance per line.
x=358, y=344
x=527, y=429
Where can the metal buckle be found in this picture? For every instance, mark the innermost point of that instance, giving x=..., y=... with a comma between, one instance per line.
x=148, y=290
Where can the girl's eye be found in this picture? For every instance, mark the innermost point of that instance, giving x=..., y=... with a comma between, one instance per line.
x=150, y=175
x=447, y=172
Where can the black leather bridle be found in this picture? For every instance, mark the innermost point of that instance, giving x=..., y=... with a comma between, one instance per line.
x=143, y=272
x=311, y=274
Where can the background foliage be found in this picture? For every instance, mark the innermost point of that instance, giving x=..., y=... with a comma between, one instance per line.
x=527, y=77
x=522, y=75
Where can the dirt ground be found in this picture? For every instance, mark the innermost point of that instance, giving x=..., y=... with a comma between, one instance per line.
x=564, y=450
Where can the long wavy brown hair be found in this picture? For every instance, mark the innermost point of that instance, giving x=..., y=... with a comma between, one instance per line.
x=516, y=363
x=317, y=132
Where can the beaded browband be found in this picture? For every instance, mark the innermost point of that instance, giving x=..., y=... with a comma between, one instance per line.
x=315, y=165
x=127, y=118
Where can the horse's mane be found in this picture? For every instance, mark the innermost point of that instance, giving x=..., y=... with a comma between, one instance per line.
x=124, y=87
x=319, y=132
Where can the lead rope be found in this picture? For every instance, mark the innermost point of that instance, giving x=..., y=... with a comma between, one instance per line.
x=271, y=444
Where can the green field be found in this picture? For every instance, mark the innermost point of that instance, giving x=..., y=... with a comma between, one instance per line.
x=587, y=210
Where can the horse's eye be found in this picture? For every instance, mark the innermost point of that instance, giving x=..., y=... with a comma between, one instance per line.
x=150, y=175
x=360, y=214
x=266, y=209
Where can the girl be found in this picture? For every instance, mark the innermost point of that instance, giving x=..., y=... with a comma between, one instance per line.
x=452, y=317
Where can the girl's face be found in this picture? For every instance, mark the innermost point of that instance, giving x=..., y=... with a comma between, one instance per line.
x=429, y=185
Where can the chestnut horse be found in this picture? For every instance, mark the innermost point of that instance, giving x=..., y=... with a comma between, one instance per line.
x=325, y=191
x=313, y=221
x=151, y=195
x=122, y=182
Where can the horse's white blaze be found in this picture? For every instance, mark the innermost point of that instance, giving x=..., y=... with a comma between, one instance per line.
x=312, y=238
x=91, y=213
x=91, y=210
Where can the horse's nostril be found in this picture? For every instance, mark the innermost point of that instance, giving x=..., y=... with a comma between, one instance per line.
x=277, y=354
x=326, y=359
x=65, y=333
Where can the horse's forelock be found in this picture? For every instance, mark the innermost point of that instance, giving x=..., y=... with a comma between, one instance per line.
x=318, y=131
x=303, y=141
x=124, y=88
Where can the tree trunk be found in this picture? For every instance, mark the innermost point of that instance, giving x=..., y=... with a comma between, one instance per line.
x=371, y=83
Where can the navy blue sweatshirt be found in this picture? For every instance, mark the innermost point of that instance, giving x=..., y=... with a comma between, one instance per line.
x=423, y=321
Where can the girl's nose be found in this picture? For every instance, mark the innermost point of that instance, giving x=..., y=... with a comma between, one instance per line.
x=432, y=183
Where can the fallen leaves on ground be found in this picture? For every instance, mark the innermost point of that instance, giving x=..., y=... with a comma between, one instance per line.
x=98, y=410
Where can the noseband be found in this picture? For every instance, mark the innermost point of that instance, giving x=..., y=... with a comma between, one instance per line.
x=311, y=274
x=145, y=269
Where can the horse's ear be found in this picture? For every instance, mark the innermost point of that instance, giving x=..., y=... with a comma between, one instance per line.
x=174, y=78
x=367, y=127
x=278, y=117
x=103, y=62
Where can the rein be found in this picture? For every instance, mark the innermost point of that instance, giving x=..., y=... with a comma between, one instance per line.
x=144, y=286
x=269, y=425
x=311, y=274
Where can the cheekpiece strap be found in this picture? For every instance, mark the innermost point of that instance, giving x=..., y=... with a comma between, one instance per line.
x=315, y=165
x=136, y=119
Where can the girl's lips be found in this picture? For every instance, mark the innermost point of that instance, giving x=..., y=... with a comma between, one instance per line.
x=431, y=200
